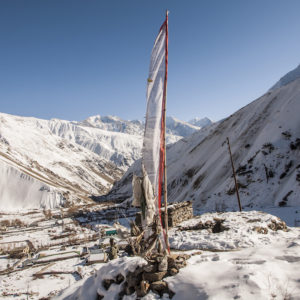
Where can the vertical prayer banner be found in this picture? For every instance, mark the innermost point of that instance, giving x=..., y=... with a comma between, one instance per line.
x=148, y=189
x=154, y=147
x=154, y=138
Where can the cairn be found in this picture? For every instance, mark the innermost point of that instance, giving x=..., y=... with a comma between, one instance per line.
x=160, y=264
x=149, y=277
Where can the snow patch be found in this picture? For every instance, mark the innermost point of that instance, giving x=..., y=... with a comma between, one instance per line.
x=20, y=191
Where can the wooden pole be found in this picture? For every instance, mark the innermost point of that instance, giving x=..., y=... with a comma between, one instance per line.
x=165, y=157
x=234, y=176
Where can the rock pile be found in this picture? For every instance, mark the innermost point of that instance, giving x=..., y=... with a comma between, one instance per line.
x=214, y=226
x=275, y=225
x=149, y=277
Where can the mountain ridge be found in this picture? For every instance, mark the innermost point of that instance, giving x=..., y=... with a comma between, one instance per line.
x=265, y=143
x=69, y=159
x=287, y=78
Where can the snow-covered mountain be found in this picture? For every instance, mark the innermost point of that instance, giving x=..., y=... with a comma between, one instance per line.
x=180, y=128
x=114, y=139
x=116, y=124
x=265, y=142
x=117, y=146
x=52, y=161
x=41, y=169
x=200, y=122
x=287, y=78
x=176, y=128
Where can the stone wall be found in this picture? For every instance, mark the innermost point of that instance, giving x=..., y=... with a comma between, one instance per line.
x=177, y=213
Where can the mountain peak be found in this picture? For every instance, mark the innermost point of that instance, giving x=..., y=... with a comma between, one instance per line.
x=200, y=122
x=180, y=128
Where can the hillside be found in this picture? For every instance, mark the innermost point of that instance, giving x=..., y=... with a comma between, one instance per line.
x=287, y=78
x=42, y=170
x=55, y=161
x=112, y=138
x=120, y=148
x=265, y=142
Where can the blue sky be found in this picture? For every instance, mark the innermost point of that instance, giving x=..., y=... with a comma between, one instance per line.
x=71, y=59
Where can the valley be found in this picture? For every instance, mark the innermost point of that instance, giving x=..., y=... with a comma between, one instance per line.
x=66, y=192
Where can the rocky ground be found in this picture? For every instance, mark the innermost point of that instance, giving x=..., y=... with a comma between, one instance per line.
x=229, y=255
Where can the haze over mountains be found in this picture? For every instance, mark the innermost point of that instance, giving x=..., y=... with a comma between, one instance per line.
x=45, y=163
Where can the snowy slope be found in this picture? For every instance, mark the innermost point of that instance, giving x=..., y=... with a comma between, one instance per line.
x=16, y=184
x=261, y=146
x=82, y=158
x=286, y=79
x=28, y=148
x=122, y=189
x=120, y=148
x=265, y=142
x=112, y=138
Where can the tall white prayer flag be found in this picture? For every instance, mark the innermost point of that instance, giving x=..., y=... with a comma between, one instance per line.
x=147, y=191
x=153, y=147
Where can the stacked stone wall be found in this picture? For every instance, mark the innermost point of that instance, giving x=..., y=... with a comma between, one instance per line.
x=177, y=213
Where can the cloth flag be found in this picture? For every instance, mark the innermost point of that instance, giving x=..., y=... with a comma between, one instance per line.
x=153, y=152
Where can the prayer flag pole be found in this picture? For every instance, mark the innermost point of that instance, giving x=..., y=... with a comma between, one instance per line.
x=149, y=190
x=164, y=130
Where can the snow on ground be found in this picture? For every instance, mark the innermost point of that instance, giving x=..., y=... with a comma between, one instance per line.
x=241, y=232
x=19, y=283
x=239, y=263
x=260, y=272
x=88, y=290
x=52, y=238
